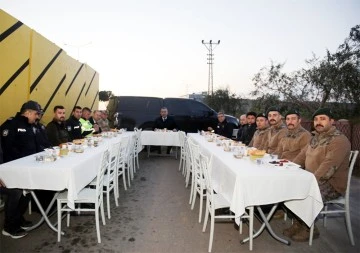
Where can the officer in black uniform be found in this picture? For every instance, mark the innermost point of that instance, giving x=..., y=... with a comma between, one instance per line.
x=73, y=124
x=18, y=140
x=249, y=129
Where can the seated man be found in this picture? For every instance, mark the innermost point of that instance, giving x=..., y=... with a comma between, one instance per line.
x=295, y=139
x=249, y=129
x=165, y=121
x=327, y=156
x=56, y=130
x=94, y=121
x=103, y=122
x=73, y=123
x=223, y=127
x=259, y=139
x=18, y=139
x=277, y=128
x=87, y=128
x=243, y=122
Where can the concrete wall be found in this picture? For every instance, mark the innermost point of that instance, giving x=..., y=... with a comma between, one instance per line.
x=32, y=67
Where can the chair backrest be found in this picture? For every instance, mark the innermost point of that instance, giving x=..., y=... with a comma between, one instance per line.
x=195, y=157
x=182, y=137
x=205, y=166
x=352, y=159
x=131, y=146
x=100, y=175
x=113, y=159
x=137, y=140
x=122, y=152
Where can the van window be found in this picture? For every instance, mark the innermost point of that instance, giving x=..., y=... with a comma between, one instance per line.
x=147, y=104
x=198, y=109
x=177, y=106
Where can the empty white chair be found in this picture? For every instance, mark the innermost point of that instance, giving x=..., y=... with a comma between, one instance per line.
x=213, y=201
x=86, y=195
x=110, y=179
x=137, y=148
x=129, y=161
x=182, y=138
x=341, y=204
x=121, y=166
x=198, y=182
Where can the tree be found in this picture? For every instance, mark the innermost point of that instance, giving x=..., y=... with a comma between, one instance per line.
x=105, y=95
x=332, y=81
x=224, y=100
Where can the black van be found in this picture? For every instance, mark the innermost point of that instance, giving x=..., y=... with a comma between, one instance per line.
x=189, y=115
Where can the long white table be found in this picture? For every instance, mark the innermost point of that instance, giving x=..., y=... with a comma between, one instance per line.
x=160, y=138
x=72, y=172
x=246, y=184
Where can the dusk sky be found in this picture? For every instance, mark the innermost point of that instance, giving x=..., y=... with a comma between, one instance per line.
x=153, y=48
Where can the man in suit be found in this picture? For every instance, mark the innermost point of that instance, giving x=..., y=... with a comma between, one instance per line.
x=165, y=122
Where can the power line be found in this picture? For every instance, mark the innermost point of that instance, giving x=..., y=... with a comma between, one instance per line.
x=210, y=61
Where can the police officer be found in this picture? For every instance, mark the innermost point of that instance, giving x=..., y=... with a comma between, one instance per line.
x=18, y=136
x=73, y=124
x=18, y=140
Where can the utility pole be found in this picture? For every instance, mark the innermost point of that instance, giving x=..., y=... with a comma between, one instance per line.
x=210, y=62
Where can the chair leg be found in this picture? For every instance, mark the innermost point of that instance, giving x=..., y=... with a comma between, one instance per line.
x=108, y=202
x=206, y=218
x=348, y=224
x=68, y=219
x=180, y=162
x=137, y=161
x=97, y=225
x=201, y=202
x=192, y=188
x=116, y=192
x=59, y=220
x=194, y=195
x=102, y=213
x=124, y=180
x=212, y=221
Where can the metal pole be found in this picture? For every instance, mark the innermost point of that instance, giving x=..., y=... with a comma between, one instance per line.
x=210, y=62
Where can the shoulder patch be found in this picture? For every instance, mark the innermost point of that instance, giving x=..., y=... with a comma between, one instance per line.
x=5, y=132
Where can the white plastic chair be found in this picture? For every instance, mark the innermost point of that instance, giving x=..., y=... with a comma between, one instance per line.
x=121, y=171
x=213, y=201
x=342, y=204
x=130, y=153
x=137, y=148
x=188, y=168
x=182, y=137
x=89, y=196
x=110, y=179
x=198, y=182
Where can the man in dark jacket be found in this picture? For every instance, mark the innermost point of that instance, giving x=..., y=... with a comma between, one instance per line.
x=18, y=140
x=165, y=121
x=162, y=122
x=56, y=129
x=73, y=124
x=223, y=127
x=249, y=129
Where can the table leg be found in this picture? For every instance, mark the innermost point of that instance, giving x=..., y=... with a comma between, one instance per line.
x=266, y=224
x=148, y=150
x=44, y=213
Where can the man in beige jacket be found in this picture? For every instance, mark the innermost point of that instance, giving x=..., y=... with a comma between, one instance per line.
x=295, y=139
x=277, y=129
x=259, y=139
x=327, y=156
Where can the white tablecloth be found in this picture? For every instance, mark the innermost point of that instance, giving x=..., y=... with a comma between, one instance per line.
x=72, y=172
x=160, y=138
x=244, y=183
